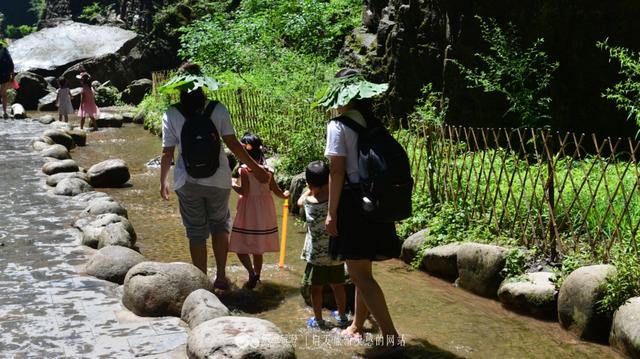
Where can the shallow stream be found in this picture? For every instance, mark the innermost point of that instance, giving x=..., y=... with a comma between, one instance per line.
x=436, y=319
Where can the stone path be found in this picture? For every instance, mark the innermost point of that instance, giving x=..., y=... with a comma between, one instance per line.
x=48, y=308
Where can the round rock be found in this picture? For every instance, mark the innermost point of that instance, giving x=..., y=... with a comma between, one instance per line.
x=238, y=337
x=201, y=306
x=479, y=267
x=153, y=289
x=105, y=230
x=79, y=137
x=534, y=294
x=103, y=205
x=60, y=137
x=39, y=145
x=442, y=261
x=72, y=186
x=54, y=167
x=113, y=262
x=53, y=180
x=411, y=246
x=625, y=331
x=578, y=302
x=58, y=152
x=109, y=173
x=46, y=119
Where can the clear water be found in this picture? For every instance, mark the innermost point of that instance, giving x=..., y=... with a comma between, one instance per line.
x=436, y=319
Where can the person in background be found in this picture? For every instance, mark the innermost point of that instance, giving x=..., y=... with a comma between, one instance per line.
x=321, y=269
x=255, y=228
x=88, y=107
x=6, y=76
x=63, y=100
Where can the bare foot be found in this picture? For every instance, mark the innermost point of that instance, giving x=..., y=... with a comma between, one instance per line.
x=352, y=333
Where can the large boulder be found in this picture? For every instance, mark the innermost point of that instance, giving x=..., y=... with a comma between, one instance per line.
x=50, y=51
x=479, y=267
x=58, y=152
x=533, y=293
x=53, y=180
x=113, y=262
x=411, y=246
x=153, y=289
x=109, y=173
x=625, y=330
x=201, y=306
x=442, y=261
x=32, y=88
x=46, y=119
x=238, y=337
x=54, y=167
x=110, y=67
x=578, y=302
x=72, y=186
x=61, y=138
x=135, y=92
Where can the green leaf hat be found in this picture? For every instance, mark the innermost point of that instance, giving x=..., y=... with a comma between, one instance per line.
x=344, y=89
x=189, y=81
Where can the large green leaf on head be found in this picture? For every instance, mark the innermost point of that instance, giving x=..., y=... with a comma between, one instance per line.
x=345, y=89
x=189, y=82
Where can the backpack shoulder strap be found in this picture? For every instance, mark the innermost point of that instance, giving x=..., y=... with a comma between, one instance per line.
x=209, y=109
x=350, y=123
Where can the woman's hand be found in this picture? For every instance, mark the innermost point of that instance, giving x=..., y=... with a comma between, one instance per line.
x=286, y=194
x=331, y=224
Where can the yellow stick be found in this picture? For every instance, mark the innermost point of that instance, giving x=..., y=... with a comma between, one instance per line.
x=283, y=238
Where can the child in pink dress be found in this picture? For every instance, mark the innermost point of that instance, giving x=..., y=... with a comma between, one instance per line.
x=88, y=107
x=255, y=228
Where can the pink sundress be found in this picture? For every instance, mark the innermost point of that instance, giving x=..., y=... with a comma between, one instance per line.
x=88, y=107
x=255, y=228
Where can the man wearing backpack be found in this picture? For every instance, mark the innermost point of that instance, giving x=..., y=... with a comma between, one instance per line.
x=369, y=188
x=202, y=177
x=6, y=76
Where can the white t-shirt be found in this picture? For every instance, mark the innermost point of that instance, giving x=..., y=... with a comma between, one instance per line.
x=343, y=141
x=172, y=123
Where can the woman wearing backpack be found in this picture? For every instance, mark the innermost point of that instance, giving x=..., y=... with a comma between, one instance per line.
x=203, y=197
x=6, y=76
x=354, y=238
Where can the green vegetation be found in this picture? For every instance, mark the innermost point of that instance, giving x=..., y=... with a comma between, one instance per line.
x=431, y=108
x=38, y=7
x=16, y=32
x=107, y=96
x=95, y=12
x=626, y=93
x=522, y=75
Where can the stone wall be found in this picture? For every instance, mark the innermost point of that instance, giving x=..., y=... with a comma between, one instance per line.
x=409, y=43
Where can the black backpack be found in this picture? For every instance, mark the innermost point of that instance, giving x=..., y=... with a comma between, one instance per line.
x=384, y=170
x=200, y=143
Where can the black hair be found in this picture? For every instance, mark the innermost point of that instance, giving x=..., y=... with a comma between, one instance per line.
x=62, y=82
x=192, y=102
x=317, y=174
x=253, y=145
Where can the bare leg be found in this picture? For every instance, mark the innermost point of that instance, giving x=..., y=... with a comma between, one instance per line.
x=82, y=126
x=359, y=317
x=316, y=300
x=94, y=123
x=220, y=243
x=257, y=264
x=245, y=259
x=198, y=252
x=60, y=117
x=3, y=92
x=372, y=295
x=66, y=118
x=341, y=297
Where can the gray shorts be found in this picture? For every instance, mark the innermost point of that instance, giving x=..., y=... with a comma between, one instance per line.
x=204, y=210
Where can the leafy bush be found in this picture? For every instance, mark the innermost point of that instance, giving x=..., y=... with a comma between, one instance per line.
x=431, y=108
x=625, y=284
x=95, y=12
x=16, y=32
x=153, y=107
x=626, y=93
x=522, y=75
x=38, y=7
x=515, y=263
x=107, y=96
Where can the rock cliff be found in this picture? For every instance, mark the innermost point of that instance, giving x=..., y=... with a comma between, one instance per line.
x=411, y=42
